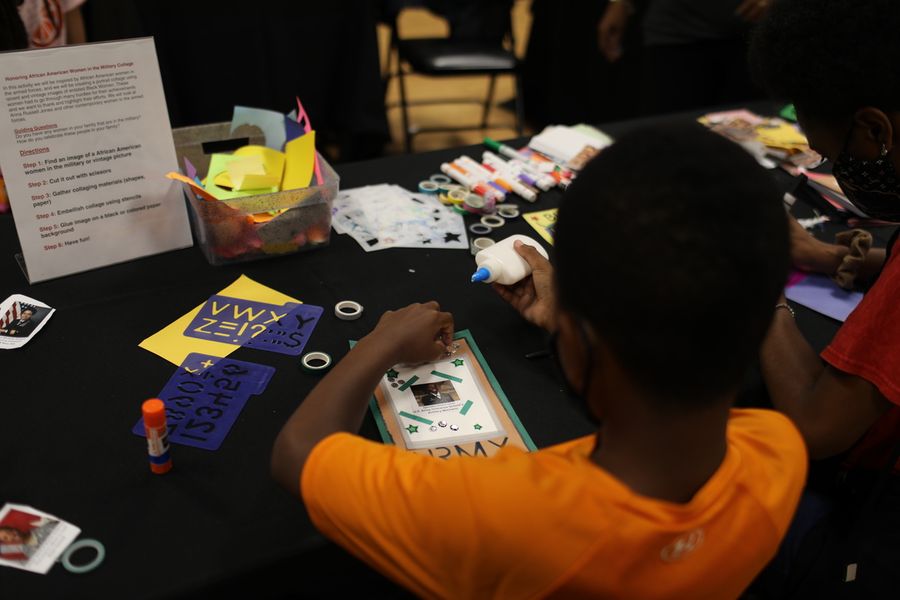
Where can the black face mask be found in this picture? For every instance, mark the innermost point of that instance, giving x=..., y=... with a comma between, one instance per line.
x=873, y=186
x=577, y=396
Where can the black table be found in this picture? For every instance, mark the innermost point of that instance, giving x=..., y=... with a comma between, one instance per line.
x=218, y=522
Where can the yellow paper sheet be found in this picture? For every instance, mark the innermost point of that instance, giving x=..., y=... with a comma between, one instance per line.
x=256, y=167
x=218, y=163
x=300, y=157
x=171, y=343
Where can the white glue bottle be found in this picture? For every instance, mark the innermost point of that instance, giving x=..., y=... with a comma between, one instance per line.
x=502, y=264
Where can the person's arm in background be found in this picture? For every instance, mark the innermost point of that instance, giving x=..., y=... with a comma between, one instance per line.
x=611, y=29
x=75, y=33
x=816, y=256
x=832, y=409
x=415, y=334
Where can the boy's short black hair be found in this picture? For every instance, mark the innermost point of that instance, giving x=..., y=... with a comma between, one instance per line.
x=830, y=57
x=673, y=245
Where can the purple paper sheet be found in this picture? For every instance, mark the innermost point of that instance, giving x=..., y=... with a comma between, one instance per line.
x=289, y=334
x=235, y=320
x=822, y=295
x=204, y=397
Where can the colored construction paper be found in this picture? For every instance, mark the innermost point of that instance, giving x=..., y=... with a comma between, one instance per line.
x=172, y=345
x=292, y=129
x=290, y=334
x=271, y=123
x=272, y=167
x=189, y=169
x=205, y=396
x=195, y=187
x=218, y=163
x=299, y=162
x=823, y=295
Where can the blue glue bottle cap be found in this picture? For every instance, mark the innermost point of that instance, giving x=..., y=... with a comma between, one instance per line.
x=481, y=274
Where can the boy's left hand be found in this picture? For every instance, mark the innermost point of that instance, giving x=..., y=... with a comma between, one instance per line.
x=415, y=334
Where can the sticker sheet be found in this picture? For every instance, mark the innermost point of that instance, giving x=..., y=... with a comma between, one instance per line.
x=205, y=396
x=388, y=216
x=32, y=540
x=452, y=406
x=21, y=318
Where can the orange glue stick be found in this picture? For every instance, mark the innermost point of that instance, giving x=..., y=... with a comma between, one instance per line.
x=157, y=435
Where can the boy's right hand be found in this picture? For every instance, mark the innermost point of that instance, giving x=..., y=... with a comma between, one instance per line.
x=534, y=297
x=415, y=334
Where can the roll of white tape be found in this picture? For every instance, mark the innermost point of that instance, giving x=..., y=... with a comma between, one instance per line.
x=493, y=221
x=479, y=229
x=348, y=310
x=508, y=211
x=315, y=361
x=479, y=244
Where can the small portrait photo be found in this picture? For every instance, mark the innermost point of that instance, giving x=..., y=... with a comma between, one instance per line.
x=438, y=392
x=22, y=533
x=21, y=320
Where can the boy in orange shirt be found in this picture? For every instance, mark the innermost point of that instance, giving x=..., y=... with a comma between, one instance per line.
x=671, y=252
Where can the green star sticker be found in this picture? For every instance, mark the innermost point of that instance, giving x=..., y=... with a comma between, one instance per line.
x=477, y=427
x=458, y=362
x=412, y=428
x=392, y=373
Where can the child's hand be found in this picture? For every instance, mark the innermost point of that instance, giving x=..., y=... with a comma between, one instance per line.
x=415, y=334
x=534, y=296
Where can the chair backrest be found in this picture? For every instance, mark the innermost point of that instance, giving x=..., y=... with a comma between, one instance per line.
x=468, y=20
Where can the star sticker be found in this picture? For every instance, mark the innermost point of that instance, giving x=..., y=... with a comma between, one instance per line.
x=477, y=427
x=413, y=429
x=451, y=237
x=207, y=363
x=458, y=362
x=392, y=374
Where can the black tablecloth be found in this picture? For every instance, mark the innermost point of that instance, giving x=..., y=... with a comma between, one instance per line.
x=218, y=521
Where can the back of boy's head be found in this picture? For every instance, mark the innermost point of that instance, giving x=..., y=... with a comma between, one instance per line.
x=673, y=245
x=830, y=57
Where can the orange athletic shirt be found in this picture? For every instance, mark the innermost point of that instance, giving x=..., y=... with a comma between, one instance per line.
x=554, y=524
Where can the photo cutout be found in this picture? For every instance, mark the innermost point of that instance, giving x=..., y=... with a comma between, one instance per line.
x=438, y=392
x=32, y=540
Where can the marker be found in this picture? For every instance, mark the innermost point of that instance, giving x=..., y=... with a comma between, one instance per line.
x=486, y=173
x=513, y=184
x=474, y=170
x=515, y=167
x=154, y=412
x=507, y=151
x=460, y=176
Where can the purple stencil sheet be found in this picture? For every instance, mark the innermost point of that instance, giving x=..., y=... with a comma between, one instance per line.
x=289, y=334
x=204, y=397
x=235, y=320
x=822, y=295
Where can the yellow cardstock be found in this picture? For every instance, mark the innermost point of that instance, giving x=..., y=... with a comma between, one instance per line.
x=171, y=343
x=300, y=158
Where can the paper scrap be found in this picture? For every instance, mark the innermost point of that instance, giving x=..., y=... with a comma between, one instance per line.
x=218, y=164
x=271, y=123
x=172, y=345
x=300, y=155
x=823, y=295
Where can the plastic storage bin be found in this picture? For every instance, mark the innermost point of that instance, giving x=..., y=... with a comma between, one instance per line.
x=253, y=227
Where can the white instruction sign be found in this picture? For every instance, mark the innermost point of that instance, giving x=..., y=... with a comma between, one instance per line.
x=85, y=144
